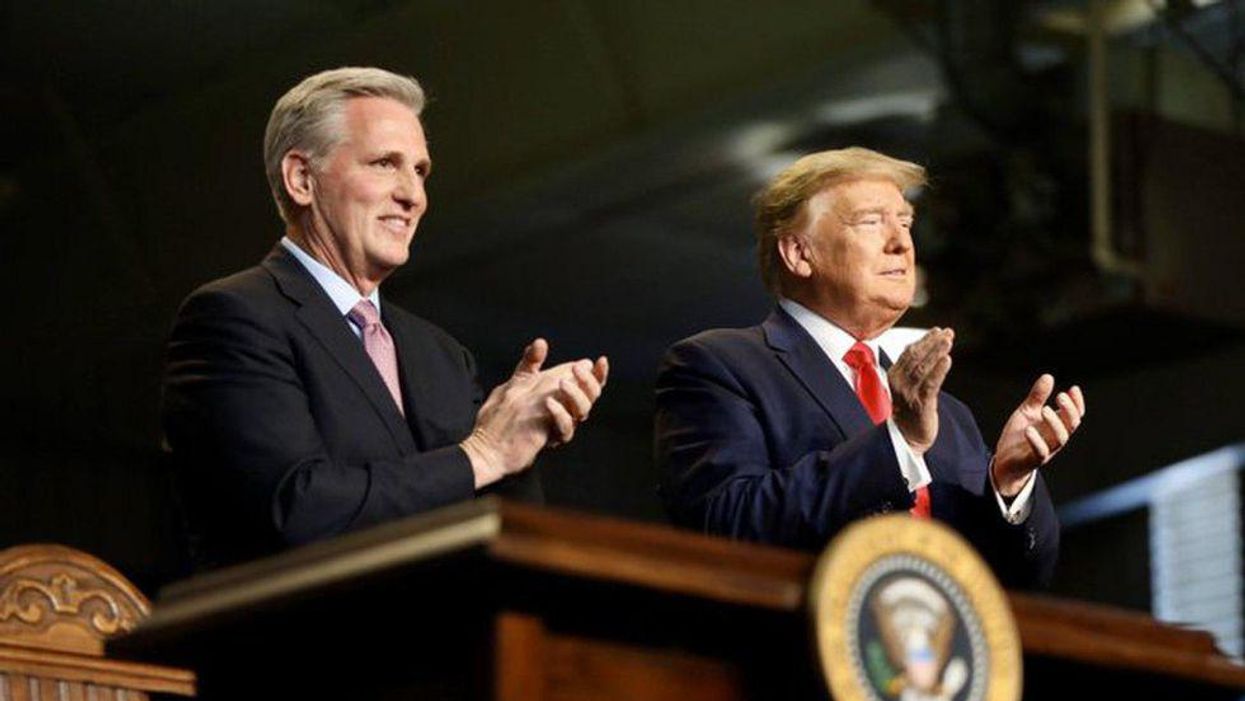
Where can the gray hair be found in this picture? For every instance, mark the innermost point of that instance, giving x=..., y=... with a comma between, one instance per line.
x=780, y=207
x=309, y=118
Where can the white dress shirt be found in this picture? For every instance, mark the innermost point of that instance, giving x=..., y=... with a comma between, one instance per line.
x=343, y=294
x=835, y=342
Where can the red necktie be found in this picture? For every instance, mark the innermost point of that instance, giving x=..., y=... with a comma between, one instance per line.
x=379, y=347
x=878, y=404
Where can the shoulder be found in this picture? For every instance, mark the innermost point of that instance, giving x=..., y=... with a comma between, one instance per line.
x=247, y=289
x=245, y=300
x=716, y=351
x=777, y=333
x=723, y=340
x=242, y=310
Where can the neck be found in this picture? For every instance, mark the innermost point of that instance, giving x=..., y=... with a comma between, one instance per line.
x=321, y=247
x=862, y=327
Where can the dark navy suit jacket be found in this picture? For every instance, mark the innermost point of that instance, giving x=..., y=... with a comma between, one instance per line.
x=760, y=438
x=284, y=432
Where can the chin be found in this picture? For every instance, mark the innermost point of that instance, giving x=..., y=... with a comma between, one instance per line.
x=896, y=303
x=388, y=264
x=397, y=252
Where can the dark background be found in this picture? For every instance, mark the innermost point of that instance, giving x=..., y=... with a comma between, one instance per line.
x=594, y=162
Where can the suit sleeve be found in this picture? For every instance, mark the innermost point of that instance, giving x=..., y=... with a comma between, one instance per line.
x=1024, y=555
x=236, y=409
x=714, y=439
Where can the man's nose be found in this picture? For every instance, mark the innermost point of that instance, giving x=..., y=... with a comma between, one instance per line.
x=409, y=191
x=899, y=235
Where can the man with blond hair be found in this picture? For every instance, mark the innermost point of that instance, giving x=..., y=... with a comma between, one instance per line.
x=786, y=432
x=298, y=402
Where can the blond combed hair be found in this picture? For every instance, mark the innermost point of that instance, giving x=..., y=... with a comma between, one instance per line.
x=780, y=207
x=309, y=118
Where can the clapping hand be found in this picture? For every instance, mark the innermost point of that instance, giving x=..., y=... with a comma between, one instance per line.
x=915, y=380
x=1034, y=433
x=533, y=409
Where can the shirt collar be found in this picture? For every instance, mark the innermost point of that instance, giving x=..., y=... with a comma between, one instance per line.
x=343, y=294
x=834, y=341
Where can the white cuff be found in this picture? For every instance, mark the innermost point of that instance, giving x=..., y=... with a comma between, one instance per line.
x=912, y=466
x=1021, y=506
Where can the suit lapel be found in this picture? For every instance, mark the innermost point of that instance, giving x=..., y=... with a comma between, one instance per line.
x=318, y=314
x=416, y=391
x=797, y=350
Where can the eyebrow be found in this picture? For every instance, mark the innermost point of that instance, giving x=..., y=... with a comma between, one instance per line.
x=907, y=209
x=400, y=156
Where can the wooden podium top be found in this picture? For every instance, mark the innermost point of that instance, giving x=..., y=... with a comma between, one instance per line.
x=645, y=557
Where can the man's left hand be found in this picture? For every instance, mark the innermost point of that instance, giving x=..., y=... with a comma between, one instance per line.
x=1034, y=433
x=535, y=408
x=570, y=390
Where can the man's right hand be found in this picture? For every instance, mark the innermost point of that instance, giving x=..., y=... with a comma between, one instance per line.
x=533, y=409
x=915, y=380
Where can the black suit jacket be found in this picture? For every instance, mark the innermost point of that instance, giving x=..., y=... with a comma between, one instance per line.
x=761, y=438
x=282, y=428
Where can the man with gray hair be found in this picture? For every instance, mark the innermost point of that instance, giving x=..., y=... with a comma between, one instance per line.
x=298, y=402
x=786, y=432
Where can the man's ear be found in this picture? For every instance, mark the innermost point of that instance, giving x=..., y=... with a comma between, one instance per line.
x=296, y=175
x=795, y=254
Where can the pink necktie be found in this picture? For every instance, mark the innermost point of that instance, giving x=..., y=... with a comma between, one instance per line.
x=379, y=346
x=878, y=404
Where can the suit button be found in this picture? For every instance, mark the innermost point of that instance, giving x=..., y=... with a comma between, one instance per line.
x=885, y=507
x=1030, y=538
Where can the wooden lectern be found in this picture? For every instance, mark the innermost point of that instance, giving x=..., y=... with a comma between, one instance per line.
x=493, y=600
x=57, y=607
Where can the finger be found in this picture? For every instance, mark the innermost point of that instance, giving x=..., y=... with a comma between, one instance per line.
x=940, y=345
x=1068, y=411
x=533, y=357
x=928, y=345
x=601, y=369
x=588, y=383
x=1054, y=425
x=946, y=344
x=920, y=358
x=563, y=424
x=926, y=339
x=572, y=397
x=934, y=360
x=932, y=384
x=916, y=349
x=1037, y=443
x=1039, y=393
x=1078, y=398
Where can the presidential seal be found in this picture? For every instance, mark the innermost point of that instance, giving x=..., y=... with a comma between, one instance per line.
x=904, y=609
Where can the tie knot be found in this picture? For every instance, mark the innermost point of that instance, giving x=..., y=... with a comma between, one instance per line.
x=859, y=356
x=364, y=314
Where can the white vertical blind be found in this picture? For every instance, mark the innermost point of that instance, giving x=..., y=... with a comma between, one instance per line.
x=1196, y=549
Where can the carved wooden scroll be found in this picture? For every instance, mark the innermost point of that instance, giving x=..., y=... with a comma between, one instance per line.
x=57, y=598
